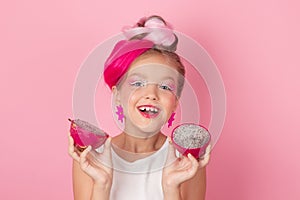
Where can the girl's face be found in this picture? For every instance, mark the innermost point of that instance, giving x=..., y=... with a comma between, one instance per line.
x=147, y=94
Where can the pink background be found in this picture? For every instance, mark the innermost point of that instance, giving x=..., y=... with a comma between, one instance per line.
x=255, y=45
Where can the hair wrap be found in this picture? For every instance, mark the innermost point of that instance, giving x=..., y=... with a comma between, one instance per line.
x=123, y=54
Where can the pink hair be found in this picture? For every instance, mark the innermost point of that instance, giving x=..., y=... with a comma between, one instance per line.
x=123, y=54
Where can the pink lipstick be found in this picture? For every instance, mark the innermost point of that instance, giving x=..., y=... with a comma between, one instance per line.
x=148, y=111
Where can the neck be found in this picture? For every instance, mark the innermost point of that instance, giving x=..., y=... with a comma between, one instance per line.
x=140, y=145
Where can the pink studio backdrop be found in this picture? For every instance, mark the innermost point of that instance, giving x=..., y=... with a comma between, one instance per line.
x=255, y=45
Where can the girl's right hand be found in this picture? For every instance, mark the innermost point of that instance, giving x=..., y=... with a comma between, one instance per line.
x=97, y=165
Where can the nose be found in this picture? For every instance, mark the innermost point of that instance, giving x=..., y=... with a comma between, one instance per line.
x=151, y=92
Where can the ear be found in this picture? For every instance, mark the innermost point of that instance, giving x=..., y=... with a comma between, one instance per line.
x=116, y=95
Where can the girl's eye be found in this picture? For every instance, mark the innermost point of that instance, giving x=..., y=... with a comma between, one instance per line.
x=138, y=83
x=165, y=87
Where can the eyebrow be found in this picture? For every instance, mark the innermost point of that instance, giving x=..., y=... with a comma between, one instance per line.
x=137, y=74
x=143, y=76
x=170, y=77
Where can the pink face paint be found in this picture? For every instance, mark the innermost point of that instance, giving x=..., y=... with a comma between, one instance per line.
x=171, y=119
x=120, y=113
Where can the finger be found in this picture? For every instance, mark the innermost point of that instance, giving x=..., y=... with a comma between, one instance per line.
x=71, y=149
x=106, y=158
x=83, y=156
x=107, y=146
x=184, y=163
x=192, y=171
x=207, y=152
x=71, y=141
x=171, y=156
x=192, y=159
x=107, y=151
x=172, y=150
x=85, y=152
x=204, y=161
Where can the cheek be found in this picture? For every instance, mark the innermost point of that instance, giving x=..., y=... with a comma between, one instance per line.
x=129, y=97
x=170, y=102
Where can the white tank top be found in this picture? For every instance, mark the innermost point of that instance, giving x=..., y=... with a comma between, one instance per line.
x=141, y=179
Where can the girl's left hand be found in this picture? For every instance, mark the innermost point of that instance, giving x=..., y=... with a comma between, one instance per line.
x=178, y=170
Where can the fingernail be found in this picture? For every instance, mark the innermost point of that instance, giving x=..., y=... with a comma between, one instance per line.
x=89, y=147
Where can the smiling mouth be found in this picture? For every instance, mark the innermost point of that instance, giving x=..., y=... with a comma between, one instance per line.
x=148, y=111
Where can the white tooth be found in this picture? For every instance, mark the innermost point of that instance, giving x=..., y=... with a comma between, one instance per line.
x=147, y=109
x=155, y=110
x=152, y=109
x=141, y=108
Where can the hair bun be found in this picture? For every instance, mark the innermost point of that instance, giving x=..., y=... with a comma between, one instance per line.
x=155, y=22
x=154, y=29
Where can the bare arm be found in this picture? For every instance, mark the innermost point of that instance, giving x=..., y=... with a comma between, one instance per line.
x=184, y=178
x=195, y=188
x=176, y=172
x=82, y=183
x=84, y=187
x=91, y=179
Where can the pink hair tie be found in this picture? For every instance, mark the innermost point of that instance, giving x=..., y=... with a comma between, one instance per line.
x=154, y=30
x=161, y=36
x=155, y=23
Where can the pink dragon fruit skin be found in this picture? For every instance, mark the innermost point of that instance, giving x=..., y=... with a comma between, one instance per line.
x=85, y=134
x=198, y=151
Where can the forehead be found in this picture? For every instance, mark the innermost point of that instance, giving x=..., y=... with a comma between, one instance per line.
x=153, y=64
x=153, y=71
x=153, y=57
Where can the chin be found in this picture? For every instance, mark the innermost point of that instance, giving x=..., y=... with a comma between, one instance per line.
x=150, y=131
x=143, y=126
x=144, y=130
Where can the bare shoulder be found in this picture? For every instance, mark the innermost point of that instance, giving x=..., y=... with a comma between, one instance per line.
x=195, y=188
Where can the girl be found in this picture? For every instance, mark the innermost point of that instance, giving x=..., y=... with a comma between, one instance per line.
x=146, y=77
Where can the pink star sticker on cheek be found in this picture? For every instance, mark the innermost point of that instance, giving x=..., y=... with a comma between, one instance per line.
x=120, y=113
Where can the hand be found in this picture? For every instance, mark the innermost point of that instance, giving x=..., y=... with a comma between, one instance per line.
x=72, y=150
x=97, y=165
x=179, y=170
